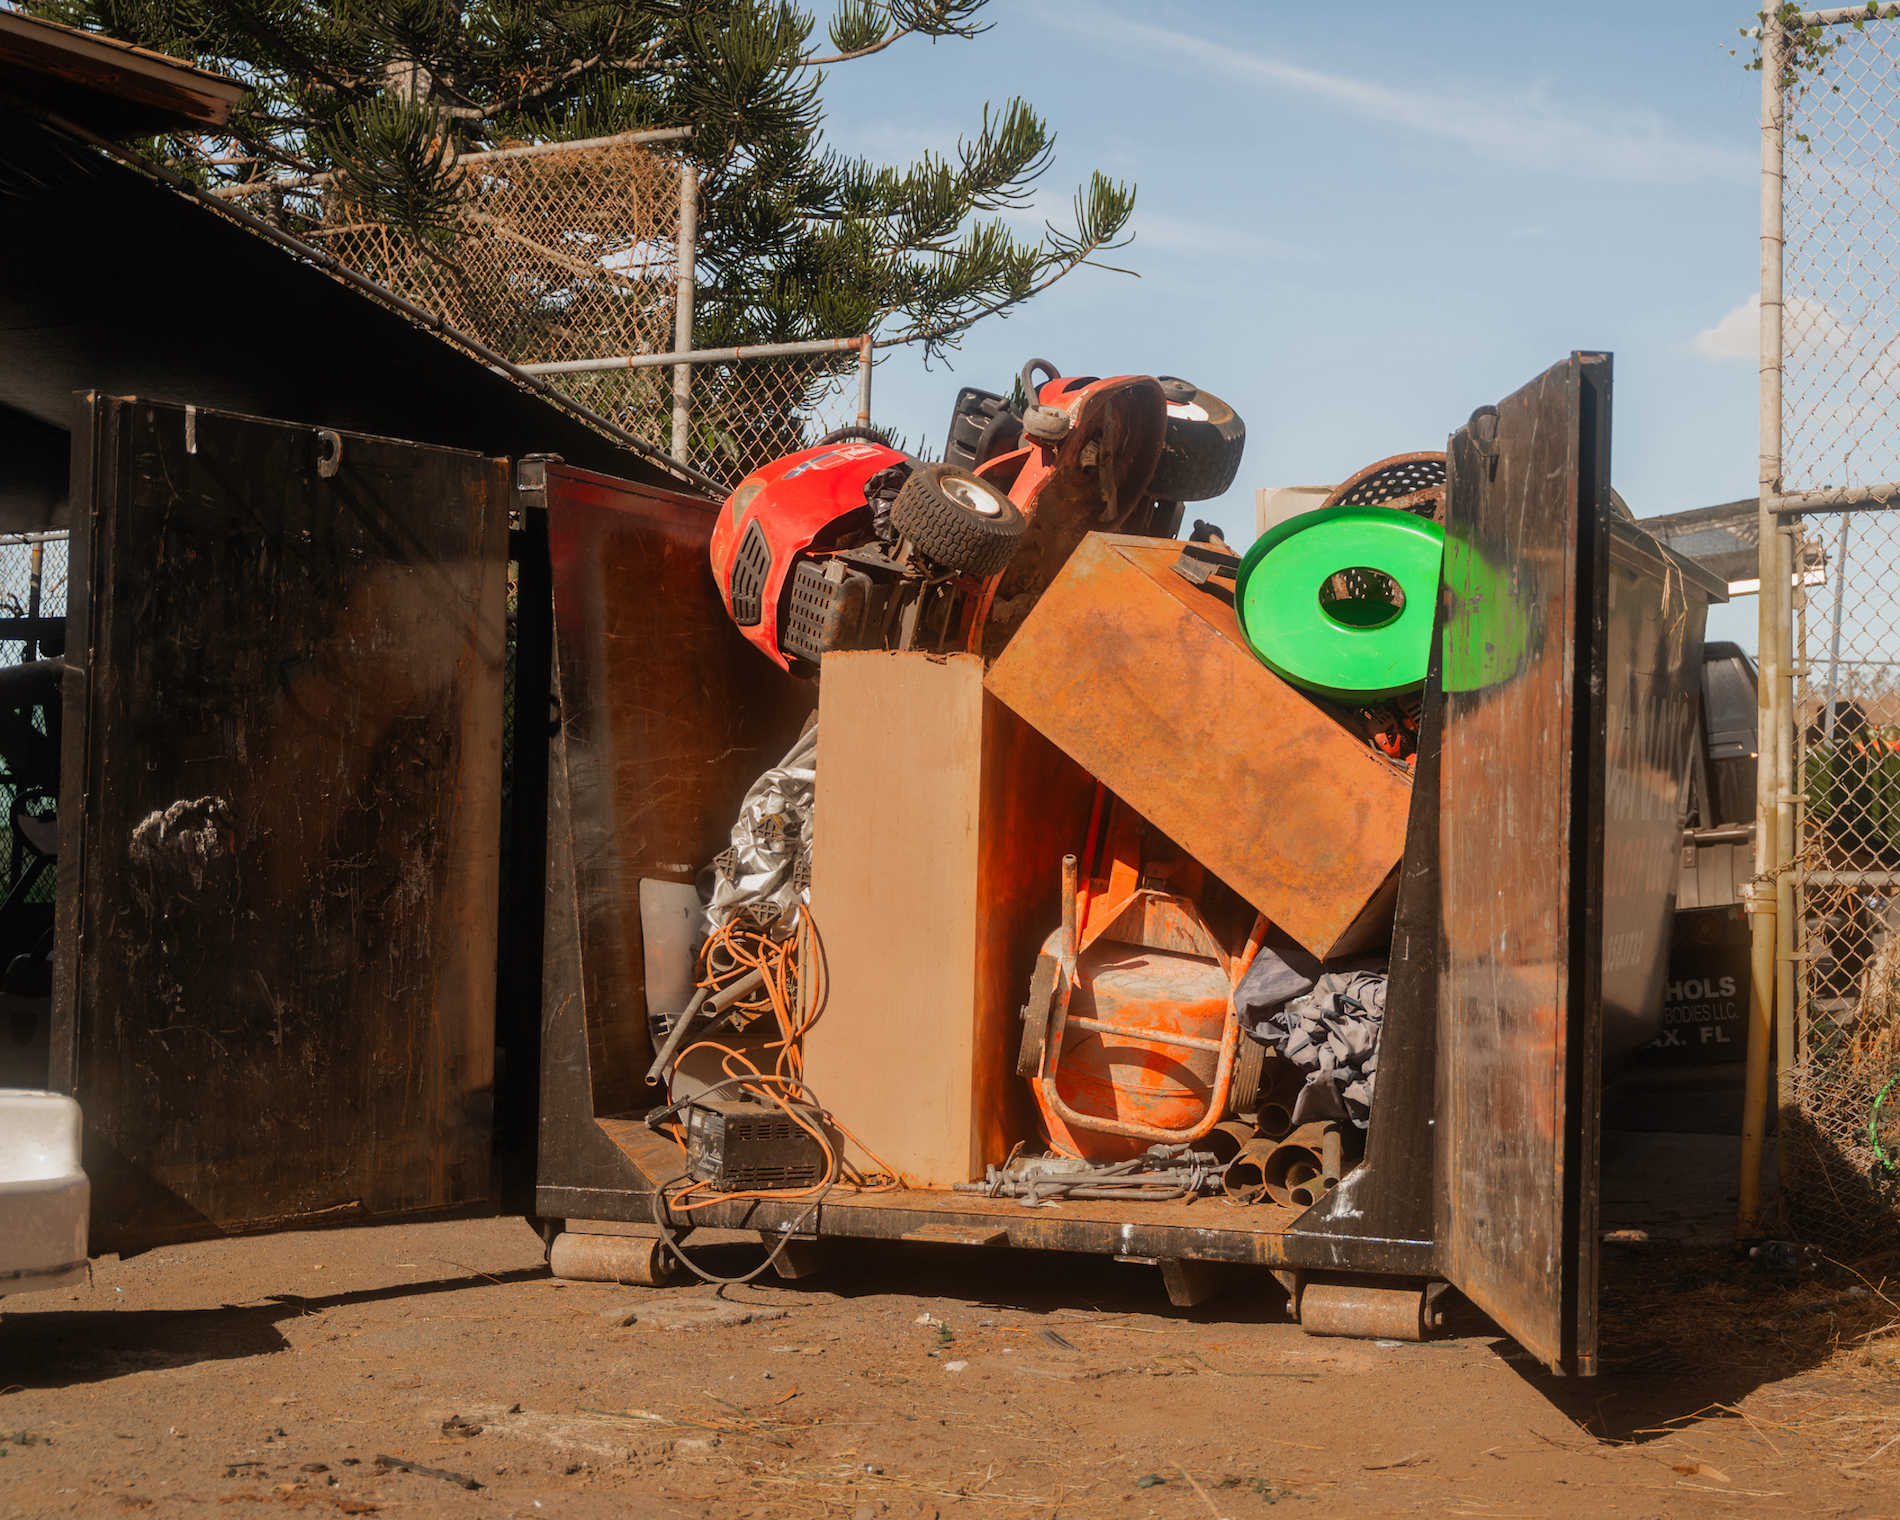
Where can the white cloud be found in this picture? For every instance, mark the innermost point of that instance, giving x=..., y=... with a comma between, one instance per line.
x=1736, y=336
x=1587, y=140
x=1810, y=331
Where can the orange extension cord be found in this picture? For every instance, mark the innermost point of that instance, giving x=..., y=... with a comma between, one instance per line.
x=783, y=1086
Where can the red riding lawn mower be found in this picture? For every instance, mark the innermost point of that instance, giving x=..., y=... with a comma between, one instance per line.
x=854, y=544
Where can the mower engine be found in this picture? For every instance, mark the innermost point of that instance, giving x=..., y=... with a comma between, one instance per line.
x=856, y=545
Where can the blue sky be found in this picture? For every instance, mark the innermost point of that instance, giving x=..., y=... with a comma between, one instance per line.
x=1357, y=223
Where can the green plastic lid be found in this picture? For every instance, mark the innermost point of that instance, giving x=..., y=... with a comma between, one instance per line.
x=1339, y=601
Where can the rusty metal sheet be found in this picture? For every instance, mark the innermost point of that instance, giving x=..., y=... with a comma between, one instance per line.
x=1144, y=679
x=279, y=816
x=1094, y=480
x=667, y=717
x=1526, y=572
x=1656, y=606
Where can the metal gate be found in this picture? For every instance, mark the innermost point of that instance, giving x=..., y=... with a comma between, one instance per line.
x=279, y=795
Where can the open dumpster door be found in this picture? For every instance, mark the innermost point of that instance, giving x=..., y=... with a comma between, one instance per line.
x=279, y=821
x=1521, y=821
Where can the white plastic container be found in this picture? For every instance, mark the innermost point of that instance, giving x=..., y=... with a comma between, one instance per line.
x=44, y=1194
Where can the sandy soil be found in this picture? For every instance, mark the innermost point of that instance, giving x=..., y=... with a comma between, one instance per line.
x=237, y=1377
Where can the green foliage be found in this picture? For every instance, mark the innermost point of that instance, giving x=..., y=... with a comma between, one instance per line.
x=395, y=163
x=1805, y=46
x=797, y=240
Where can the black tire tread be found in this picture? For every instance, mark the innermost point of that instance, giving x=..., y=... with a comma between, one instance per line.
x=948, y=533
x=1200, y=459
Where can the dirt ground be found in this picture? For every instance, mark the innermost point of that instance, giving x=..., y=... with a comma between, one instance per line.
x=236, y=1377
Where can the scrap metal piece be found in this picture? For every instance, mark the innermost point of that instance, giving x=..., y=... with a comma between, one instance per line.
x=1403, y=482
x=644, y=1259
x=398, y=1464
x=1147, y=682
x=1370, y=1310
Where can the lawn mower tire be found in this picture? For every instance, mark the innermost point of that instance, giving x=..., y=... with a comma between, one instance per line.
x=1201, y=453
x=960, y=522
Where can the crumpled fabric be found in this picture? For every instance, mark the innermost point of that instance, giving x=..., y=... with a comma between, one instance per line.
x=1332, y=1034
x=767, y=872
x=1279, y=973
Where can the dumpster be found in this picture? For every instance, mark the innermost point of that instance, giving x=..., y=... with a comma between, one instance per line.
x=278, y=845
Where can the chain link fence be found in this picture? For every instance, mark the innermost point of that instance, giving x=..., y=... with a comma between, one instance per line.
x=744, y=412
x=557, y=253
x=24, y=560
x=1837, y=711
x=568, y=255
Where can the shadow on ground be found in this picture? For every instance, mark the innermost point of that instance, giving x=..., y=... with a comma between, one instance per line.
x=62, y=1347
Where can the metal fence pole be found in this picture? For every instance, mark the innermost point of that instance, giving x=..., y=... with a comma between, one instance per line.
x=688, y=252
x=1762, y=905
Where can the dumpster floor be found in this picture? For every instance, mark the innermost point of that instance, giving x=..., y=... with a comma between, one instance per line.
x=276, y=1370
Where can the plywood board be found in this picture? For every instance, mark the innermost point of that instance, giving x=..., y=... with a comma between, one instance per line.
x=940, y=825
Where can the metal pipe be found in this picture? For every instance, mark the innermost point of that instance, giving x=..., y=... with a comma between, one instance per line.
x=864, y=381
x=1834, y=639
x=1068, y=907
x=428, y=319
x=36, y=565
x=714, y=1006
x=1760, y=904
x=1332, y=1157
x=1274, y=1121
x=1845, y=878
x=693, y=356
x=1874, y=498
x=1845, y=15
x=1784, y=1003
x=1787, y=908
x=488, y=156
x=1294, y=1168
x=1764, y=924
x=686, y=256
x=1245, y=1180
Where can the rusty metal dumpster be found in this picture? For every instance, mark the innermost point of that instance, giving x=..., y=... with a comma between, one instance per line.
x=242, y=616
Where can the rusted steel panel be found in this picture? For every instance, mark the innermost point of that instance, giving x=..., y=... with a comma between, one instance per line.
x=1203, y=1230
x=1526, y=556
x=667, y=717
x=280, y=810
x=1382, y=1216
x=1655, y=608
x=1094, y=479
x=1145, y=680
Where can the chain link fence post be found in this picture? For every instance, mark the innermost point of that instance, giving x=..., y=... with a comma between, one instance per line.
x=687, y=256
x=1761, y=904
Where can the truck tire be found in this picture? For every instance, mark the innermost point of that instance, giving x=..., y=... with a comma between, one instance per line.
x=956, y=520
x=1201, y=453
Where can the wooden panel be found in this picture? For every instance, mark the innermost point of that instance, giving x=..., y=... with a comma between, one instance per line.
x=280, y=822
x=1146, y=681
x=941, y=823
